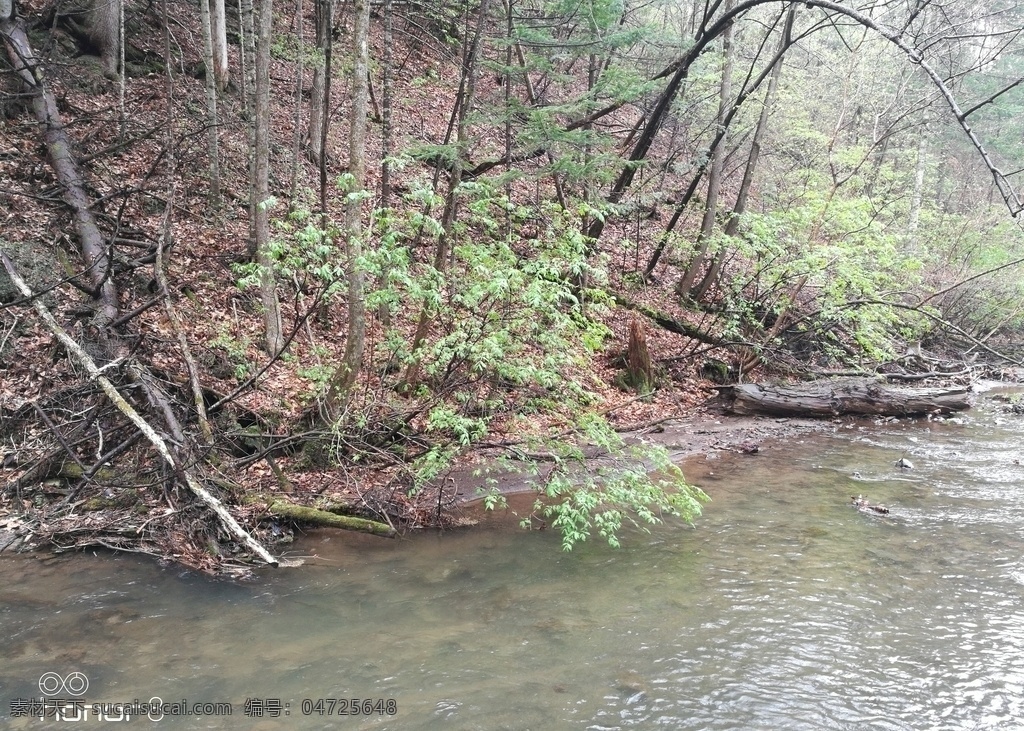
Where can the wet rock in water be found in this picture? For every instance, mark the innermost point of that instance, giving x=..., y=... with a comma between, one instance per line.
x=861, y=503
x=904, y=464
x=631, y=684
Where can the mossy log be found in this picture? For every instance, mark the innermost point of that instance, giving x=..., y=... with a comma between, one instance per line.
x=314, y=516
x=72, y=471
x=835, y=398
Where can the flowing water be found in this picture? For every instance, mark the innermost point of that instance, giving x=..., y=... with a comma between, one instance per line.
x=784, y=608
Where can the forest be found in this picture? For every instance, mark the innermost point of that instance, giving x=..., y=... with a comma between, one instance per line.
x=345, y=263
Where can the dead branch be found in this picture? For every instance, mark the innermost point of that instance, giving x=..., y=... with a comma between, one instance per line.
x=96, y=373
x=176, y=325
x=669, y=323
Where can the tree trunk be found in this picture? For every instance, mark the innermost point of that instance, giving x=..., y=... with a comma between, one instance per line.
x=914, y=216
x=352, y=361
x=385, y=103
x=386, y=144
x=247, y=28
x=317, y=102
x=325, y=115
x=866, y=397
x=247, y=55
x=122, y=78
x=219, y=30
x=300, y=72
x=105, y=31
x=211, y=102
x=733, y=224
x=691, y=190
x=715, y=173
x=465, y=101
x=273, y=338
x=639, y=369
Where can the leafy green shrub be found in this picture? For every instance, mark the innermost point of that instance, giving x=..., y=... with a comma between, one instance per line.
x=510, y=321
x=637, y=485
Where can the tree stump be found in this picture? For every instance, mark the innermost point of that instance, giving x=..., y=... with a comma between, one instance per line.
x=639, y=371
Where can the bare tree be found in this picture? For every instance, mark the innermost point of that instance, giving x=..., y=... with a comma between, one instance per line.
x=352, y=361
x=220, y=45
x=738, y=209
x=712, y=27
x=211, y=103
x=717, y=169
x=273, y=338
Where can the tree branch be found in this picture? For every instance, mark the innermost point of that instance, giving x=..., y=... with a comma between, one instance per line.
x=84, y=359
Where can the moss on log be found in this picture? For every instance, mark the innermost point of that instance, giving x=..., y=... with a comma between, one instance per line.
x=314, y=516
x=72, y=471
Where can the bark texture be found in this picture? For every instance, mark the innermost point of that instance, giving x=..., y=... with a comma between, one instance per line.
x=836, y=398
x=273, y=337
x=352, y=361
x=313, y=516
x=220, y=45
x=209, y=59
x=105, y=30
x=322, y=11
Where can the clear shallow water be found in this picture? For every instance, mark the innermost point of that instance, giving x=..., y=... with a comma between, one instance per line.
x=784, y=608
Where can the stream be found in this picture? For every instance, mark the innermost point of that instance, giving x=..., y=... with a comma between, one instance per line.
x=783, y=608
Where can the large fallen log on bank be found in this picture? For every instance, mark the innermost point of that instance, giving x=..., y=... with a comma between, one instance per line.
x=28, y=68
x=834, y=398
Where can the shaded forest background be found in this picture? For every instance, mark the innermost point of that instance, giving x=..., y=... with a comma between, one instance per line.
x=332, y=251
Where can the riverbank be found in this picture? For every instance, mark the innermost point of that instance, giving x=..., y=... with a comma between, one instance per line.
x=784, y=603
x=503, y=468
x=705, y=432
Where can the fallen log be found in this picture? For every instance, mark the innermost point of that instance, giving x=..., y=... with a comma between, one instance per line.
x=835, y=398
x=28, y=68
x=315, y=516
